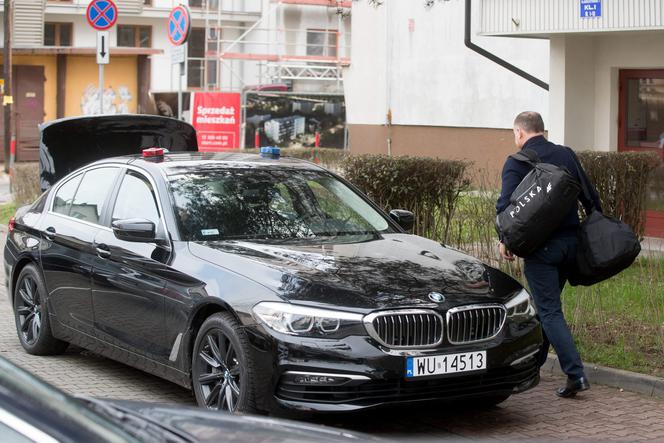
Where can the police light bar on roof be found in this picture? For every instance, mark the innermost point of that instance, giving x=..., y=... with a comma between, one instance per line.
x=270, y=152
x=153, y=152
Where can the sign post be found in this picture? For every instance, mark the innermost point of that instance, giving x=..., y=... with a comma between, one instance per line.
x=179, y=28
x=102, y=15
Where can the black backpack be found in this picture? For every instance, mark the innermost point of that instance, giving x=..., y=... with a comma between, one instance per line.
x=537, y=206
x=606, y=246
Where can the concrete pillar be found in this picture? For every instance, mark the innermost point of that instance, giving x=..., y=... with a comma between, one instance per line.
x=572, y=91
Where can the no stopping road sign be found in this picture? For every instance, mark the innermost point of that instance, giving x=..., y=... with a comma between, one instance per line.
x=102, y=14
x=179, y=25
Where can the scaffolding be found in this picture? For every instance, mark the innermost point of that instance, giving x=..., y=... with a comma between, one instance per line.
x=255, y=56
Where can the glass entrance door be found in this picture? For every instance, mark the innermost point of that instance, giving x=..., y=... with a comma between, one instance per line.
x=641, y=128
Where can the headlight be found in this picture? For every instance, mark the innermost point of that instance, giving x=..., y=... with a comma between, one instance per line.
x=521, y=306
x=303, y=320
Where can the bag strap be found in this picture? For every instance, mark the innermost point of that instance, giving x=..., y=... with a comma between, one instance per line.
x=582, y=180
x=527, y=156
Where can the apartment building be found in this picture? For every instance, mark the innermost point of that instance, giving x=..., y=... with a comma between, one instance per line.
x=235, y=45
x=414, y=88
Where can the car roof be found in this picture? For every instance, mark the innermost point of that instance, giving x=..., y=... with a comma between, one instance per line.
x=177, y=163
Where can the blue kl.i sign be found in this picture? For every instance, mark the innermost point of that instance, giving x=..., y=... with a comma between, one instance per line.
x=591, y=8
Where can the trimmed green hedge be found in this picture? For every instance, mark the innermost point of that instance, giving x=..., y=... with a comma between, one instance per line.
x=428, y=187
x=621, y=179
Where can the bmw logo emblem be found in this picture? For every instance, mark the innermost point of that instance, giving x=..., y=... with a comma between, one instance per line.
x=437, y=297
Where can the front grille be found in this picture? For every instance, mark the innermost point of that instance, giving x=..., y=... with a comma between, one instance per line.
x=387, y=391
x=468, y=324
x=410, y=328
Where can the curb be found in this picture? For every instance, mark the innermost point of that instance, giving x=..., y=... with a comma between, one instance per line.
x=616, y=378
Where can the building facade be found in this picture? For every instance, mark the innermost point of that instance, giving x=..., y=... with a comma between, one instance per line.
x=234, y=45
x=606, y=73
x=413, y=87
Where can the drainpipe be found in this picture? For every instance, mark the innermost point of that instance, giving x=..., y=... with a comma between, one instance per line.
x=494, y=58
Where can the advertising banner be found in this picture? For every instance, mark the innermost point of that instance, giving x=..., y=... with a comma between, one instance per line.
x=298, y=121
x=216, y=117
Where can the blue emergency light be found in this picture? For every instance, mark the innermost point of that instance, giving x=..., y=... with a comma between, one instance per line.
x=270, y=152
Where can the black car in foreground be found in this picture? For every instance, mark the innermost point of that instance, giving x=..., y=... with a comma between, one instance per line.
x=263, y=284
x=34, y=411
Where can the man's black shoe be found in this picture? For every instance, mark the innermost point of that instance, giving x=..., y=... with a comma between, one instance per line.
x=572, y=387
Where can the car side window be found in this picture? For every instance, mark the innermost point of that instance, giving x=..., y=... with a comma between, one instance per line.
x=65, y=195
x=136, y=199
x=89, y=201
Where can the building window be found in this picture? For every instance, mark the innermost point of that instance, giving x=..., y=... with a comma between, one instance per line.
x=135, y=36
x=57, y=34
x=196, y=58
x=322, y=42
x=212, y=5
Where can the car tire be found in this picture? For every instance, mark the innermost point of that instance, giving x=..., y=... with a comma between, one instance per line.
x=31, y=315
x=222, y=369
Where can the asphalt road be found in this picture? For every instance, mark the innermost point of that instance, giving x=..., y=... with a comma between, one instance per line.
x=601, y=414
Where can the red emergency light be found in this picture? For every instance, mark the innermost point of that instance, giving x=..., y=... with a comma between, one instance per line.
x=153, y=152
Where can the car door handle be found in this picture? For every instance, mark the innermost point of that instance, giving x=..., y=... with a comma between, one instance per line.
x=103, y=251
x=49, y=233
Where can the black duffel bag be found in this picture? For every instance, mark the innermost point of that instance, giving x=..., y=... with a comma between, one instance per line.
x=606, y=246
x=537, y=206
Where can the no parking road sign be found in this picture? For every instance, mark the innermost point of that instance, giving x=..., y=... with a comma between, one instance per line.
x=102, y=14
x=179, y=25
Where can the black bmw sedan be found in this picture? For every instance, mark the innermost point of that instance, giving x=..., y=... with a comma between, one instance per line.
x=262, y=284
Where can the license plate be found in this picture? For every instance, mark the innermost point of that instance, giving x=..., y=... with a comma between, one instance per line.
x=445, y=364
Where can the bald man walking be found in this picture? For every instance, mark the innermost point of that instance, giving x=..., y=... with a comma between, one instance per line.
x=547, y=268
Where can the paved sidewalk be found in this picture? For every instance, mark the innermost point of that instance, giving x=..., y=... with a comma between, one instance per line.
x=652, y=246
x=5, y=194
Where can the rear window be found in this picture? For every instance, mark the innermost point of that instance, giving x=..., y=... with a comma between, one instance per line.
x=65, y=195
x=90, y=198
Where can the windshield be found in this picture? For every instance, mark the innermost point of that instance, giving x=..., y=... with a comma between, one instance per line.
x=259, y=204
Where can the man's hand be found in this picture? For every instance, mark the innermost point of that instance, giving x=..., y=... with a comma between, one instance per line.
x=505, y=253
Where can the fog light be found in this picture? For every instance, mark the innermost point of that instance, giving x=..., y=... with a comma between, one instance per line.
x=321, y=379
x=316, y=380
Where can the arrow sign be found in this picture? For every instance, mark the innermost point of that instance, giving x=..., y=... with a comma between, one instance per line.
x=103, y=54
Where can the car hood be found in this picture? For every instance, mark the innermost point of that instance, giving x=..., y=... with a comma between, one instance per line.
x=69, y=143
x=204, y=426
x=397, y=270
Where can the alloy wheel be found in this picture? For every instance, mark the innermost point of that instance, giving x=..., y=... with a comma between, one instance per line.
x=219, y=372
x=29, y=310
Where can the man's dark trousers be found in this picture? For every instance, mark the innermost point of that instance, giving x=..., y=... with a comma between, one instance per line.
x=546, y=273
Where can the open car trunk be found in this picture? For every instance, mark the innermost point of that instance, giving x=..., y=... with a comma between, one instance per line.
x=67, y=144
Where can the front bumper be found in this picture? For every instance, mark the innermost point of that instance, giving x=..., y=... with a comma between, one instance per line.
x=354, y=373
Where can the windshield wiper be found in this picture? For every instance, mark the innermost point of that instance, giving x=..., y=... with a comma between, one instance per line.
x=375, y=234
x=143, y=428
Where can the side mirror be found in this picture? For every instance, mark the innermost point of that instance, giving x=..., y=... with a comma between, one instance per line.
x=134, y=229
x=404, y=218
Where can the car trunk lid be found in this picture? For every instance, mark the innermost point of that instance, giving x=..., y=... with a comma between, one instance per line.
x=68, y=144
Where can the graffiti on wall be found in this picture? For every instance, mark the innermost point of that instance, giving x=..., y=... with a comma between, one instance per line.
x=116, y=101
